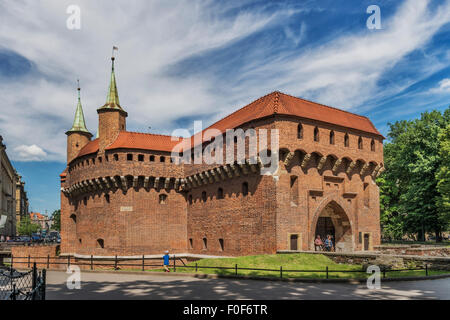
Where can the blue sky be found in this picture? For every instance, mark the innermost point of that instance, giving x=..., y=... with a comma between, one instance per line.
x=180, y=61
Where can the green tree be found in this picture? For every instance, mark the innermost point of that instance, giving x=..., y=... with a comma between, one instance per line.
x=443, y=178
x=410, y=199
x=56, y=217
x=26, y=227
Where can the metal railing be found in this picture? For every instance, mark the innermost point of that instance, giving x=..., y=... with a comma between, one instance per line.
x=16, y=285
x=116, y=263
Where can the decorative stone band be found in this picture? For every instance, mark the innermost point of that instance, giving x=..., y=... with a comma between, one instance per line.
x=210, y=176
x=321, y=163
x=103, y=184
x=289, y=158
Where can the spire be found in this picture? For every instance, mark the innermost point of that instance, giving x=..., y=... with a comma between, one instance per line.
x=79, y=123
x=112, y=98
x=113, y=95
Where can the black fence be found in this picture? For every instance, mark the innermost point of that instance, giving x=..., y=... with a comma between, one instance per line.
x=16, y=285
x=117, y=263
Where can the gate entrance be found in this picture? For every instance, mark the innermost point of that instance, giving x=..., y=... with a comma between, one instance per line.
x=334, y=222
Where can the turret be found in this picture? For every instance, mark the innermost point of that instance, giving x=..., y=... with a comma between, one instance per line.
x=78, y=136
x=111, y=116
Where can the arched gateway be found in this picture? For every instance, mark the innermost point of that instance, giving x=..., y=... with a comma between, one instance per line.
x=333, y=221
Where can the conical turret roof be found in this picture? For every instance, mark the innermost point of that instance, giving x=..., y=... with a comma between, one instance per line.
x=79, y=124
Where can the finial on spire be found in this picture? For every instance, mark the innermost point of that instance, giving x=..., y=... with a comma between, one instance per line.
x=78, y=88
x=112, y=56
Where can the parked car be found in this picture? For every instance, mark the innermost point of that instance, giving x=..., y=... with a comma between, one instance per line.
x=36, y=237
x=25, y=239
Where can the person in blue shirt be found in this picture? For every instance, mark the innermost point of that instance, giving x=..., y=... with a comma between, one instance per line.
x=328, y=243
x=166, y=261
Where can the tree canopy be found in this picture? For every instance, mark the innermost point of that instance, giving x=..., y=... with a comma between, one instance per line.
x=414, y=189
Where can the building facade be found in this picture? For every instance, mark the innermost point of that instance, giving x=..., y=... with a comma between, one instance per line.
x=42, y=220
x=129, y=193
x=22, y=204
x=7, y=194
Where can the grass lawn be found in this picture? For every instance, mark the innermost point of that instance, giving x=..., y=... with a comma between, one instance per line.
x=311, y=263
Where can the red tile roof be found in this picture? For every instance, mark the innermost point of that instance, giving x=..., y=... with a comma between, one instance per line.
x=281, y=103
x=91, y=147
x=37, y=215
x=146, y=141
x=273, y=103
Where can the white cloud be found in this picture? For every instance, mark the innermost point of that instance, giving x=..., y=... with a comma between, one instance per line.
x=29, y=153
x=444, y=84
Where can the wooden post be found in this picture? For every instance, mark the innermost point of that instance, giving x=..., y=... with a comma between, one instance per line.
x=92, y=262
x=29, y=261
x=12, y=260
x=281, y=271
x=115, y=263
x=426, y=270
x=48, y=261
x=235, y=268
x=196, y=268
x=174, y=264
x=327, y=272
x=143, y=262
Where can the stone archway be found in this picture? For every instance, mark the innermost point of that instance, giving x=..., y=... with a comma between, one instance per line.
x=333, y=221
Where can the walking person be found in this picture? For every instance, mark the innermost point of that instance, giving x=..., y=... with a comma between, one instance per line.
x=166, y=261
x=328, y=243
x=318, y=243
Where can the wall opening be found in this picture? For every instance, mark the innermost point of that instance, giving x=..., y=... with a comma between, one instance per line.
x=316, y=134
x=100, y=243
x=245, y=189
x=300, y=131
x=220, y=193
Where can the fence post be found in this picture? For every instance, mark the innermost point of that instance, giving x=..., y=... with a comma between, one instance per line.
x=115, y=262
x=33, y=281
x=12, y=260
x=48, y=261
x=14, y=292
x=281, y=271
x=327, y=272
x=384, y=272
x=196, y=268
x=92, y=262
x=29, y=261
x=143, y=263
x=43, y=284
x=235, y=268
x=426, y=269
x=174, y=264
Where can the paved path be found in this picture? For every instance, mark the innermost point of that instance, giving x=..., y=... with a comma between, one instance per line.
x=142, y=286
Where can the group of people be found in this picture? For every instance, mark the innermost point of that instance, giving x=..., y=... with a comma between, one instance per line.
x=324, y=244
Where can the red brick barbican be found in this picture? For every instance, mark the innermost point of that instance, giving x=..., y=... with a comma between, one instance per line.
x=122, y=194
